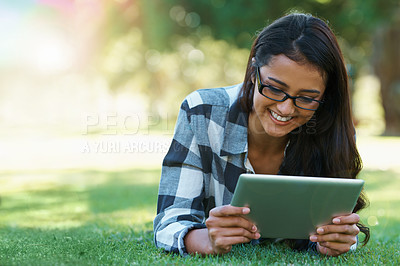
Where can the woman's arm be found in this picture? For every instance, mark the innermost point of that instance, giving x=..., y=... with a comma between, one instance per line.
x=181, y=192
x=337, y=238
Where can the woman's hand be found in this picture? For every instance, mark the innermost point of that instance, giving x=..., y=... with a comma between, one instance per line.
x=337, y=238
x=227, y=226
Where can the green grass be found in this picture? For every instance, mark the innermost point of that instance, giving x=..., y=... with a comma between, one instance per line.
x=91, y=217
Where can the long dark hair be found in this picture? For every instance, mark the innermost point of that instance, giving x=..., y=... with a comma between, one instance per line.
x=324, y=146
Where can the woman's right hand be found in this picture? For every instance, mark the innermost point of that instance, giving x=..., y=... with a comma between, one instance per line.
x=227, y=226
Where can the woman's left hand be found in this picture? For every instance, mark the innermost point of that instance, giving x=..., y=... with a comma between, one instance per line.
x=337, y=238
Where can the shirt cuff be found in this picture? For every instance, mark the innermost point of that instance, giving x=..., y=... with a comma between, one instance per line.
x=181, y=244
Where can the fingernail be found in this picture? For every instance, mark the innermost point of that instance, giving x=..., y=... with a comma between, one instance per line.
x=313, y=238
x=320, y=231
x=246, y=210
x=257, y=235
x=336, y=220
x=254, y=228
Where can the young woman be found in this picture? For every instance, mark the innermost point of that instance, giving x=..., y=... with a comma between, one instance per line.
x=291, y=116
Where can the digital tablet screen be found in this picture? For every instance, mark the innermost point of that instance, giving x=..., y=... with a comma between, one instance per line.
x=294, y=206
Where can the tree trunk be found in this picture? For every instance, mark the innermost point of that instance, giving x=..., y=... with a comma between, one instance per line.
x=386, y=62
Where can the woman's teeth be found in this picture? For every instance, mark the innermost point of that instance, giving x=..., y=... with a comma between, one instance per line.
x=280, y=118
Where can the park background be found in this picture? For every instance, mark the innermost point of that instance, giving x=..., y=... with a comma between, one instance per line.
x=89, y=94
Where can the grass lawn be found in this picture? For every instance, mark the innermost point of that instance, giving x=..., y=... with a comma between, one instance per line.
x=100, y=217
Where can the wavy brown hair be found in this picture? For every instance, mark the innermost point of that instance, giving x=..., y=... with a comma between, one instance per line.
x=324, y=146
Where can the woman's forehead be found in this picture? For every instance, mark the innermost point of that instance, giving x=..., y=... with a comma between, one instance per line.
x=293, y=74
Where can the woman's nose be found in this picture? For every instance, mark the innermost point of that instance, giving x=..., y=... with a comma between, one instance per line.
x=286, y=107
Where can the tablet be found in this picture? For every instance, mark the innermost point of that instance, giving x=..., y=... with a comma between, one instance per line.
x=293, y=207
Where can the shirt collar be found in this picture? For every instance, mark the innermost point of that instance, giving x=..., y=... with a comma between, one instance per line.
x=235, y=134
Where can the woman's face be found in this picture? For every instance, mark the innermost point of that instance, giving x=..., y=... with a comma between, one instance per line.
x=277, y=119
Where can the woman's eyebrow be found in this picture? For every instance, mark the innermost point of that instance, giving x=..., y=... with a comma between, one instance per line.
x=311, y=91
x=279, y=82
x=285, y=85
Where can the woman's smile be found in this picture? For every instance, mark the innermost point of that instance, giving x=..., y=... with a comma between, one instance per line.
x=280, y=118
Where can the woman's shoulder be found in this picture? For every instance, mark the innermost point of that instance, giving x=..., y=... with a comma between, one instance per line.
x=223, y=97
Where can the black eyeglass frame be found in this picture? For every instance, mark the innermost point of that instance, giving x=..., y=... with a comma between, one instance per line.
x=261, y=86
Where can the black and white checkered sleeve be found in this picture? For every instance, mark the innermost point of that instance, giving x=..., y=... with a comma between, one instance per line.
x=180, y=198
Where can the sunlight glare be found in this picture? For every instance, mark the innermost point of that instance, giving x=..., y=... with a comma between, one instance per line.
x=51, y=53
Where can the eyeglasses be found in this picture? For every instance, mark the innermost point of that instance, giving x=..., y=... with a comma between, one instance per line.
x=278, y=95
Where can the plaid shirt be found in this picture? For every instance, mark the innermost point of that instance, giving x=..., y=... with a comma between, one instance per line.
x=201, y=169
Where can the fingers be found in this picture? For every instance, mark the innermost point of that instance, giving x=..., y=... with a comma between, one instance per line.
x=347, y=219
x=215, y=232
x=222, y=240
x=336, y=237
x=336, y=233
x=332, y=249
x=336, y=247
x=228, y=210
x=342, y=229
x=227, y=226
x=229, y=241
x=327, y=251
x=224, y=244
x=230, y=221
x=230, y=216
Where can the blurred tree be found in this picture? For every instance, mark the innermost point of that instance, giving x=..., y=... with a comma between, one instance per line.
x=237, y=21
x=164, y=25
x=387, y=67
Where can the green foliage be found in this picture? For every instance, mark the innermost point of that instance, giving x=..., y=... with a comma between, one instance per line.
x=91, y=217
x=235, y=21
x=166, y=49
x=167, y=77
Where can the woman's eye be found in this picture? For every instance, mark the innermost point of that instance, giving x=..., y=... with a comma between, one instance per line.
x=274, y=90
x=305, y=99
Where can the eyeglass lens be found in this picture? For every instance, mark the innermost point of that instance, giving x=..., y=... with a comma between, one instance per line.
x=278, y=95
